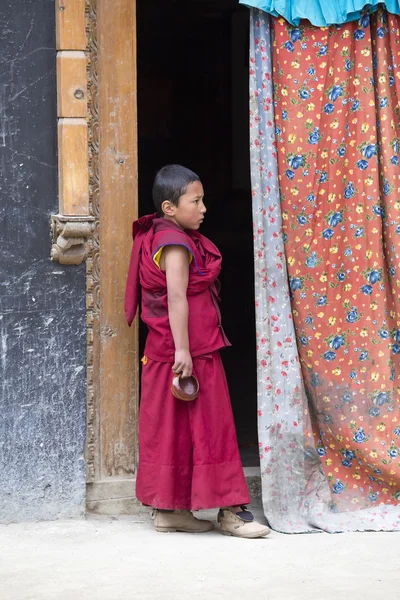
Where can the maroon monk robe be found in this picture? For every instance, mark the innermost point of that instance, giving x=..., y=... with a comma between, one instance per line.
x=188, y=452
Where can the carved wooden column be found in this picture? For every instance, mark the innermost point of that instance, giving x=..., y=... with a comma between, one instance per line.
x=112, y=346
x=73, y=224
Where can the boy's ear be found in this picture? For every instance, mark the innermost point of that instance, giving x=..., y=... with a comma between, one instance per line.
x=168, y=208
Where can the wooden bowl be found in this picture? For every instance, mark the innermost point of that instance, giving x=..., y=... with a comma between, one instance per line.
x=185, y=388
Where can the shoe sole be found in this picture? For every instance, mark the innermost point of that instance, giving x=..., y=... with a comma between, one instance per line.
x=253, y=536
x=175, y=530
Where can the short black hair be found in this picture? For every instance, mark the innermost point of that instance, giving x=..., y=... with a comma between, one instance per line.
x=171, y=183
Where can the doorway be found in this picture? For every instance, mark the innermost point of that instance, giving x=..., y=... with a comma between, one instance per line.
x=193, y=110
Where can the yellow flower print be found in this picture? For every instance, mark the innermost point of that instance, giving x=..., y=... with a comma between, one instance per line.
x=292, y=138
x=359, y=209
x=364, y=332
x=374, y=376
x=364, y=127
x=318, y=335
x=382, y=78
x=368, y=254
x=332, y=320
x=354, y=408
x=334, y=124
x=310, y=353
x=306, y=247
x=294, y=191
x=323, y=278
x=309, y=232
x=285, y=91
x=373, y=454
x=345, y=34
x=372, y=102
x=296, y=64
x=331, y=71
x=333, y=249
x=337, y=371
x=324, y=154
x=295, y=312
x=309, y=121
x=331, y=197
x=356, y=476
x=326, y=399
x=299, y=115
x=328, y=462
x=285, y=216
x=381, y=427
x=374, y=305
x=347, y=287
x=366, y=51
x=291, y=261
x=369, y=181
x=310, y=106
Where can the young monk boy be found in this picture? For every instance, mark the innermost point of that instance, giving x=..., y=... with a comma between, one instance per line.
x=188, y=453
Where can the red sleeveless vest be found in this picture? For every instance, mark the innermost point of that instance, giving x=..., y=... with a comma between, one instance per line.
x=206, y=334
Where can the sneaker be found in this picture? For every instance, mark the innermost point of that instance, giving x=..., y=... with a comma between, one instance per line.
x=180, y=520
x=241, y=524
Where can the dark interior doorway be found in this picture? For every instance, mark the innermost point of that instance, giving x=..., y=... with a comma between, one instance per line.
x=193, y=110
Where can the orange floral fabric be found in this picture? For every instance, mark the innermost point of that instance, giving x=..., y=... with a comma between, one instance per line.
x=336, y=94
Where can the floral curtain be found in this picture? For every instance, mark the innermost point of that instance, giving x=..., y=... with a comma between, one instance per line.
x=325, y=147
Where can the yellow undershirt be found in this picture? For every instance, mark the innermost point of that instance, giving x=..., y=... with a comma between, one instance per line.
x=157, y=256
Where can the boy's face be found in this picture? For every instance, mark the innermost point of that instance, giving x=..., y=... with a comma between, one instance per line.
x=189, y=214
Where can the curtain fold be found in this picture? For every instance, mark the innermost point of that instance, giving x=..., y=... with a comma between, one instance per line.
x=325, y=143
x=322, y=12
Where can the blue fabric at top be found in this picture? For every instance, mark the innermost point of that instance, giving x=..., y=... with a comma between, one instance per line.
x=321, y=12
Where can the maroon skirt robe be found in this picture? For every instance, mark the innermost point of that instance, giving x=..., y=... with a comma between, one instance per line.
x=188, y=452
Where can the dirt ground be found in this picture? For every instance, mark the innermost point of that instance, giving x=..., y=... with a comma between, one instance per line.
x=124, y=559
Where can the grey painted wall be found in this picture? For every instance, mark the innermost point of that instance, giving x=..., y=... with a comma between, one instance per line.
x=42, y=304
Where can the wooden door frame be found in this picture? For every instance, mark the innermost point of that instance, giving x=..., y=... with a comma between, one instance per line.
x=112, y=348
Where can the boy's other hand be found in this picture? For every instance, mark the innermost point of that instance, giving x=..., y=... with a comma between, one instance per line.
x=183, y=363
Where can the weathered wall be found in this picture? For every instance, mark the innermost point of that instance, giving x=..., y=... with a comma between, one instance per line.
x=42, y=304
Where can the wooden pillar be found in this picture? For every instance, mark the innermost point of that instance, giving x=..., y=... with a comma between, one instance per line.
x=113, y=409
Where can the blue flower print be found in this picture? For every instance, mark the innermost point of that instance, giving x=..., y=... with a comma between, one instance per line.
x=364, y=20
x=396, y=146
x=360, y=436
x=311, y=71
x=328, y=233
x=381, y=398
x=386, y=188
x=330, y=355
x=359, y=34
x=338, y=487
x=374, y=411
x=302, y=219
x=384, y=334
x=312, y=260
x=341, y=151
x=335, y=219
x=348, y=65
x=366, y=289
x=322, y=301
x=369, y=150
x=364, y=355
x=380, y=32
x=341, y=276
x=335, y=93
x=329, y=108
x=359, y=232
x=352, y=316
x=355, y=106
x=384, y=102
x=323, y=50
x=362, y=164
x=295, y=34
x=284, y=115
x=397, y=336
x=395, y=160
x=315, y=380
x=378, y=210
x=349, y=455
x=348, y=252
x=349, y=190
x=296, y=161
x=347, y=398
x=391, y=81
x=397, y=431
x=373, y=496
x=289, y=46
x=393, y=453
x=353, y=375
x=337, y=342
x=304, y=94
x=347, y=463
x=321, y=451
x=296, y=284
x=289, y=174
x=303, y=340
x=311, y=197
x=323, y=177
x=374, y=276
x=396, y=349
x=314, y=137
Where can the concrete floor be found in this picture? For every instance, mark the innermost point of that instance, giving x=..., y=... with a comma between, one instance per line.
x=125, y=559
